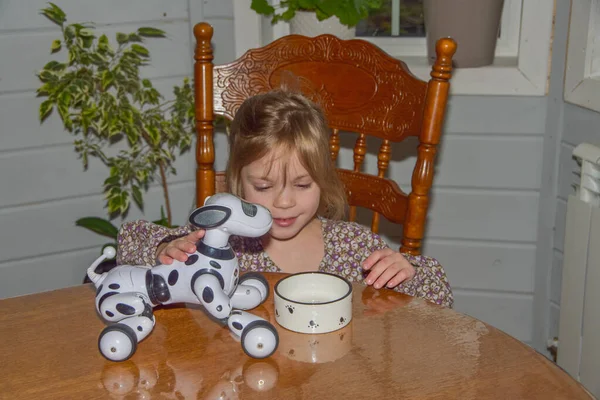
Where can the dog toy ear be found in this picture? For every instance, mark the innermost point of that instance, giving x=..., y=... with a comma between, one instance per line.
x=207, y=217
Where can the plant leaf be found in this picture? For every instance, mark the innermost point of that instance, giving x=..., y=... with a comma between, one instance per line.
x=98, y=225
x=137, y=197
x=122, y=38
x=141, y=50
x=55, y=66
x=150, y=32
x=45, y=109
x=262, y=7
x=86, y=32
x=54, y=14
x=56, y=45
x=112, y=180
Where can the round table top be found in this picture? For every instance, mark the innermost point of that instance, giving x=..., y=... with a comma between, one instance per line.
x=396, y=346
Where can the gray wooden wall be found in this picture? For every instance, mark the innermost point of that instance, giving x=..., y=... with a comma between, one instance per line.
x=483, y=224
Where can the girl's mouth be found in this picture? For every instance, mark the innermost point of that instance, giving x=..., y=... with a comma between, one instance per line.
x=284, y=222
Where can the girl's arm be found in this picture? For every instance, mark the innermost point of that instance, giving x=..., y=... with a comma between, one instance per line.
x=138, y=241
x=430, y=281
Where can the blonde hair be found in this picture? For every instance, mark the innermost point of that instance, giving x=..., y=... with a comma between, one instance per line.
x=285, y=120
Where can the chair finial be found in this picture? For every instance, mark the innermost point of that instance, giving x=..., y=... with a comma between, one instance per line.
x=445, y=47
x=203, y=31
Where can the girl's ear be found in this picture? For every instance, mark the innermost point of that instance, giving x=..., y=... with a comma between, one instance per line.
x=207, y=217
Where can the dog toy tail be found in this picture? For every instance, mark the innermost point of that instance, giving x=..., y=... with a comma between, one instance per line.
x=109, y=252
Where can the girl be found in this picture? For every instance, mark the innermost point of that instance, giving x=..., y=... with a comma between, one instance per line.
x=279, y=158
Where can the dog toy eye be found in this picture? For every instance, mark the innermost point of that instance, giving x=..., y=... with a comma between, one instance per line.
x=249, y=209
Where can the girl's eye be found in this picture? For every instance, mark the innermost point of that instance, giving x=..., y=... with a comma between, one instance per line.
x=306, y=186
x=261, y=188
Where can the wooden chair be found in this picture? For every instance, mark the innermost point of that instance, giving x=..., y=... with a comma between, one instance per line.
x=360, y=88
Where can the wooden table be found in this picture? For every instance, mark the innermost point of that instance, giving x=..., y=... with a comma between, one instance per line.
x=395, y=347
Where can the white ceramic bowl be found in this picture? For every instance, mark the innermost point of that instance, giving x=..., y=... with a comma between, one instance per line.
x=313, y=302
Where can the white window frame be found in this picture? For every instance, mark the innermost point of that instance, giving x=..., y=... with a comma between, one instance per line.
x=526, y=76
x=582, y=74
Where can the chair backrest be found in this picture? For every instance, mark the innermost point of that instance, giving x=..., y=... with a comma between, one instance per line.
x=360, y=88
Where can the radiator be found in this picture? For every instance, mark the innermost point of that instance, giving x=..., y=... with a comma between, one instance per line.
x=579, y=323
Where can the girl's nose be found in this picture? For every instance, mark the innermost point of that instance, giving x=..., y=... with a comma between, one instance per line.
x=285, y=198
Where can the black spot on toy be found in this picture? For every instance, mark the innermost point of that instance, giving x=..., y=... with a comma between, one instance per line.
x=114, y=286
x=125, y=309
x=237, y=326
x=173, y=277
x=110, y=314
x=207, y=295
x=191, y=259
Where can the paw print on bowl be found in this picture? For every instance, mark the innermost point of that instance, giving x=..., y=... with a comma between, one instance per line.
x=342, y=320
x=290, y=308
x=313, y=324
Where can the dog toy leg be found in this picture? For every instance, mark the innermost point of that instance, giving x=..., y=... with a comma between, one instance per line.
x=259, y=337
x=245, y=297
x=210, y=293
x=119, y=341
x=252, y=291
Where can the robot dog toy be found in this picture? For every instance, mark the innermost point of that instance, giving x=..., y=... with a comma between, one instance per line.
x=127, y=294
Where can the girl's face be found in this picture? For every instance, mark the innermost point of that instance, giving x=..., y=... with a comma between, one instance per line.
x=279, y=182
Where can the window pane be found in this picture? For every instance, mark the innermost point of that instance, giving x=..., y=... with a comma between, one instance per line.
x=410, y=22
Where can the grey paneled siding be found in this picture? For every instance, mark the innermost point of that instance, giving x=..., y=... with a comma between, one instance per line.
x=45, y=188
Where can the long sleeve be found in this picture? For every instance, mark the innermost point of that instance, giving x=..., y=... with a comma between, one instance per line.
x=137, y=241
x=430, y=281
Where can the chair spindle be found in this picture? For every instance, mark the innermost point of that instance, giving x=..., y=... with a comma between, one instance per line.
x=383, y=161
x=360, y=149
x=334, y=144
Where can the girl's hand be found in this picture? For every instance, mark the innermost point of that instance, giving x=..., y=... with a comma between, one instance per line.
x=387, y=267
x=178, y=249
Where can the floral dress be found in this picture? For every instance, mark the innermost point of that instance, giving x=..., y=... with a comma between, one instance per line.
x=347, y=245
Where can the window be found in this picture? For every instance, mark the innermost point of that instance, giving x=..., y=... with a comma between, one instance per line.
x=582, y=74
x=399, y=28
x=523, y=50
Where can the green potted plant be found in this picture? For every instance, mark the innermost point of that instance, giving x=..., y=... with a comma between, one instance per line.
x=114, y=114
x=314, y=17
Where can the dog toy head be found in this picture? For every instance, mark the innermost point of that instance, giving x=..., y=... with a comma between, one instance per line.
x=224, y=214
